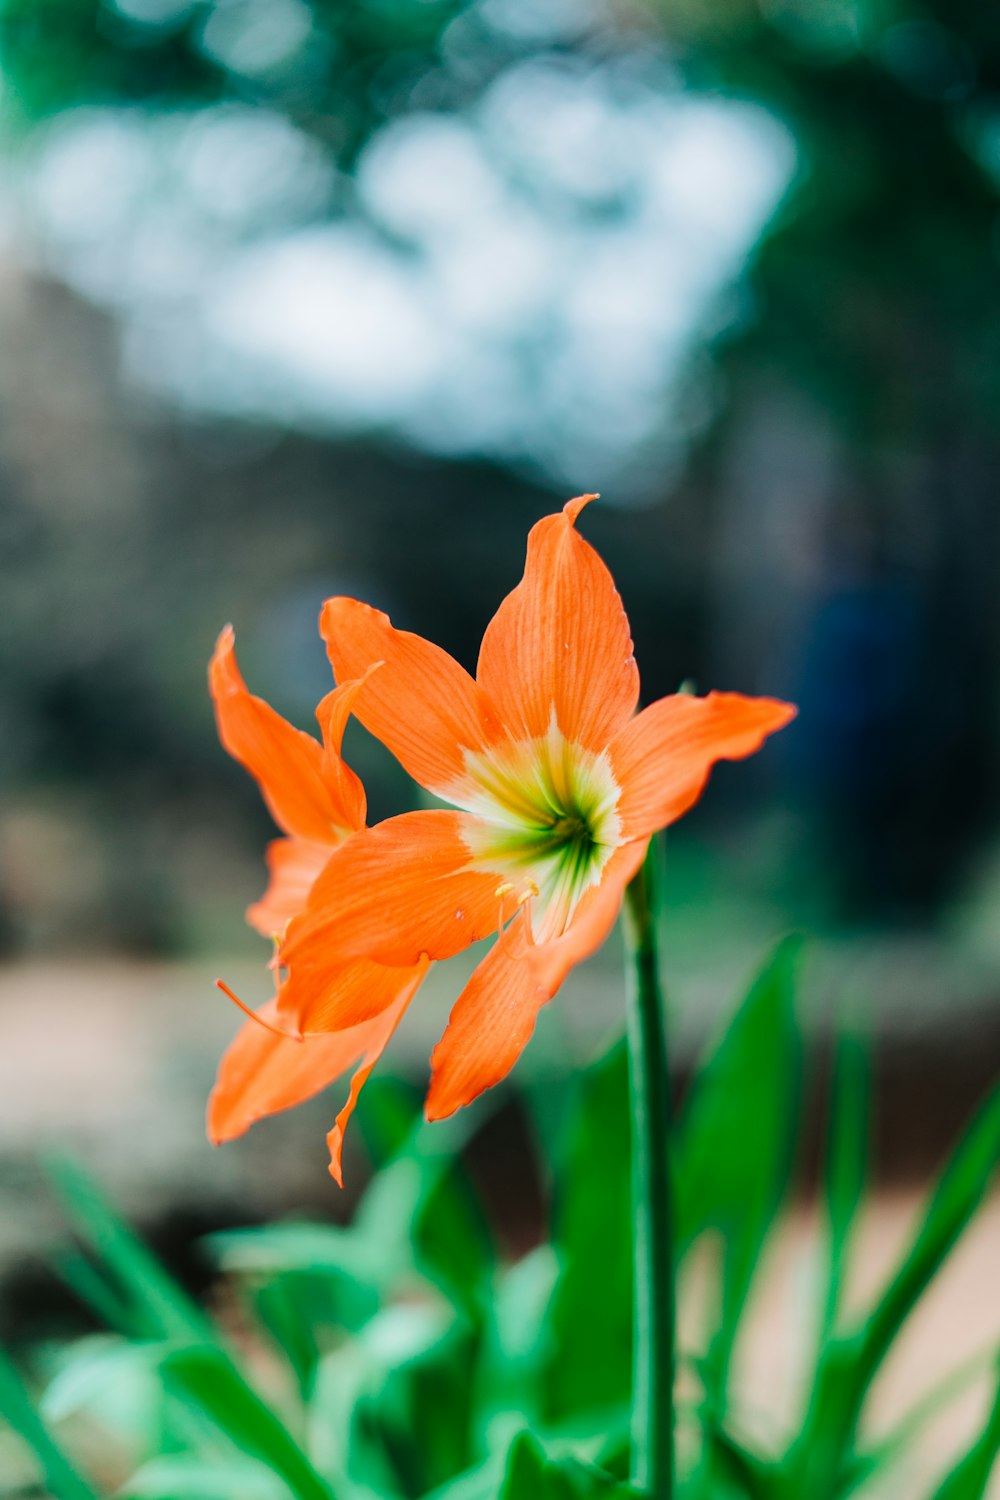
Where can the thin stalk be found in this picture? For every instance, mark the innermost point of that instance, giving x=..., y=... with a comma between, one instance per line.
x=653, y=1332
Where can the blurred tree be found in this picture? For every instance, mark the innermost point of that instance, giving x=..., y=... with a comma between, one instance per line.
x=844, y=490
x=873, y=328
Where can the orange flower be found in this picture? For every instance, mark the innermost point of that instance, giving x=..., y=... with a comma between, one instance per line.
x=557, y=784
x=319, y=802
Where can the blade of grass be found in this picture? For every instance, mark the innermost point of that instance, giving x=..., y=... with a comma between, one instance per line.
x=204, y=1377
x=424, y=1209
x=959, y=1193
x=736, y=1137
x=61, y=1477
x=198, y=1368
x=846, y=1162
x=531, y=1473
x=170, y=1311
x=185, y=1478
x=953, y=1385
x=750, y=1475
x=589, y=1319
x=99, y=1295
x=817, y=1462
x=968, y=1480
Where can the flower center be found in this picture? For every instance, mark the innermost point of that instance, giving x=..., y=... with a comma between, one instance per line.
x=547, y=821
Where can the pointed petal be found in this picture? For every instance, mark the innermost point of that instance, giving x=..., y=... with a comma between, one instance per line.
x=294, y=865
x=489, y=1027
x=312, y=1001
x=661, y=760
x=262, y=1073
x=494, y=1017
x=560, y=642
x=286, y=763
x=379, y=1031
x=344, y=786
x=395, y=892
x=420, y=702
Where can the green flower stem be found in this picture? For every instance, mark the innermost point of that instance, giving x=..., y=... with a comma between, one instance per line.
x=653, y=1332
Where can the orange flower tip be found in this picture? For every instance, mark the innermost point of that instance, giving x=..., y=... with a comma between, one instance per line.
x=437, y=1105
x=572, y=508
x=216, y=1135
x=784, y=713
x=335, y=1143
x=225, y=643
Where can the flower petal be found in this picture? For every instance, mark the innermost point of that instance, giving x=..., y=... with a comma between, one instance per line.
x=420, y=702
x=379, y=1031
x=662, y=759
x=395, y=892
x=294, y=865
x=494, y=1017
x=344, y=786
x=262, y=1073
x=560, y=642
x=313, y=1001
x=286, y=763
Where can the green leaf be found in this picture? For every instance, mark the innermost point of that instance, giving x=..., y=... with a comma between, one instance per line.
x=744, y=1471
x=969, y=1479
x=959, y=1193
x=530, y=1473
x=311, y=1274
x=479, y=1483
x=103, y=1371
x=181, y=1478
x=389, y=1114
x=949, y=1388
x=589, y=1324
x=63, y=1480
x=204, y=1378
x=392, y=1407
x=163, y=1307
x=422, y=1205
x=736, y=1135
x=97, y=1293
x=516, y=1354
x=293, y=1245
x=848, y=1364
x=846, y=1159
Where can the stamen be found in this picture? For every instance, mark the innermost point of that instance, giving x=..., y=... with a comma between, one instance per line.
x=254, y=1015
x=508, y=887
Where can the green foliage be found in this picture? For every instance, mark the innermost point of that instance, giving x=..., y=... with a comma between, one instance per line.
x=968, y=1480
x=589, y=1325
x=401, y=1357
x=62, y=1478
x=846, y=1160
x=530, y=1472
x=736, y=1136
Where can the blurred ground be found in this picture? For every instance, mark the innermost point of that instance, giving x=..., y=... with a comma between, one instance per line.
x=114, y=1060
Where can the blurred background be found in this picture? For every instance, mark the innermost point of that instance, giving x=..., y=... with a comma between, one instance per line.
x=312, y=296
